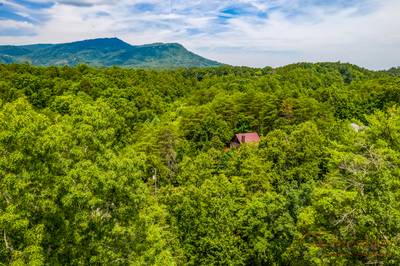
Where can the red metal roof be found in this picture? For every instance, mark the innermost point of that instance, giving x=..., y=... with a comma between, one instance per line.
x=248, y=137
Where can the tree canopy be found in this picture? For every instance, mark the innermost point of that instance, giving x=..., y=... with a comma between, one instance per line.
x=130, y=167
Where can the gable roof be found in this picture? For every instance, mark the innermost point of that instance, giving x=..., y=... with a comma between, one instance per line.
x=248, y=137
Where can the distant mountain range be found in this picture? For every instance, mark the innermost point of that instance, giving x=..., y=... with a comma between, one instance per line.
x=104, y=52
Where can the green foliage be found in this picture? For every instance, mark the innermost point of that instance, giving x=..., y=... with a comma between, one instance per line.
x=132, y=167
x=104, y=52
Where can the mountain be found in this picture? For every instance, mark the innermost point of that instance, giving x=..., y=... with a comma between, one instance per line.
x=104, y=52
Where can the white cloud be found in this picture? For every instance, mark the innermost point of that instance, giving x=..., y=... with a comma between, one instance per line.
x=17, y=25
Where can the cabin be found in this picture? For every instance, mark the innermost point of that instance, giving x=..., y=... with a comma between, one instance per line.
x=242, y=138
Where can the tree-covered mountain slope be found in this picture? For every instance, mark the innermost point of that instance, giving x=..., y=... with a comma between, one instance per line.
x=105, y=52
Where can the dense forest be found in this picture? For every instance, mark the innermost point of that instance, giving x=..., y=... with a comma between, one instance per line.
x=104, y=52
x=113, y=166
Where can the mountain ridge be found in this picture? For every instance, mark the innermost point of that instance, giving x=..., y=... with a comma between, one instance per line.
x=104, y=52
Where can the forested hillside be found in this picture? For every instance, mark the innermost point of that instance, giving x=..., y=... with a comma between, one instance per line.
x=130, y=167
x=104, y=52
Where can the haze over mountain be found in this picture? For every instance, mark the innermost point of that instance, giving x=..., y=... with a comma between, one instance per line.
x=104, y=52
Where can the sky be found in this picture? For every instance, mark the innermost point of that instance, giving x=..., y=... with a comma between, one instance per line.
x=254, y=33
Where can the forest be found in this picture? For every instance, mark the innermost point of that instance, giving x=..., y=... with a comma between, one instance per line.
x=116, y=166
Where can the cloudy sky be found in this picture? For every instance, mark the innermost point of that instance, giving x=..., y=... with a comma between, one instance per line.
x=239, y=32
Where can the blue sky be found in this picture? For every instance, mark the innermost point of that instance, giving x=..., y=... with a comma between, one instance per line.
x=238, y=32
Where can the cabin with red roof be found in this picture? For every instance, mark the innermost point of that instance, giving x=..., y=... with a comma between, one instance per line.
x=242, y=138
